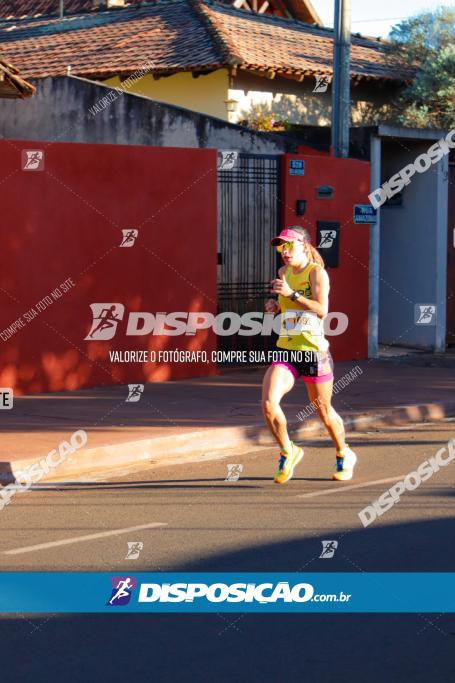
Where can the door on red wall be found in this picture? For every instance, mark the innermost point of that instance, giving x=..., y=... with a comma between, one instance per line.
x=248, y=218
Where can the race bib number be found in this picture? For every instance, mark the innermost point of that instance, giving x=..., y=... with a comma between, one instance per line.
x=299, y=322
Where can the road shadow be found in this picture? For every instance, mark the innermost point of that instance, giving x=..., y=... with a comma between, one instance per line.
x=193, y=483
x=247, y=648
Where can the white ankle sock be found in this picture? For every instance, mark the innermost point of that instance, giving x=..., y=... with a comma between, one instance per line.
x=287, y=449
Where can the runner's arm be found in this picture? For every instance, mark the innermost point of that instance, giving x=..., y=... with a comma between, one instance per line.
x=272, y=305
x=320, y=287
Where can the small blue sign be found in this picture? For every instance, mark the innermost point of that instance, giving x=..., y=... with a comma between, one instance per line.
x=296, y=167
x=364, y=213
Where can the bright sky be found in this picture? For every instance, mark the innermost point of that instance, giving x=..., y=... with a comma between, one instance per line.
x=376, y=18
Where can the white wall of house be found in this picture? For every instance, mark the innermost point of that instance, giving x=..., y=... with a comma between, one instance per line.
x=205, y=94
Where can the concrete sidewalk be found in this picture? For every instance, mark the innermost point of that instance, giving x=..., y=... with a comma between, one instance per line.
x=197, y=416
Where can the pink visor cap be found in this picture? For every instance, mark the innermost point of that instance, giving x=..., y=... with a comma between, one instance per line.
x=287, y=235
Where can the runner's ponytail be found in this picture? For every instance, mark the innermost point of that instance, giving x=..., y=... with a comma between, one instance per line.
x=315, y=256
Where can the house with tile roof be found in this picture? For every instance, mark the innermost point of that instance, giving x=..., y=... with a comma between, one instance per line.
x=206, y=56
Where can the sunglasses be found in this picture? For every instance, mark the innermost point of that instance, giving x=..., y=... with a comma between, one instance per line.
x=289, y=246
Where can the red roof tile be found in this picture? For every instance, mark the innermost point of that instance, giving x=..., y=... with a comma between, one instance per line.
x=17, y=9
x=180, y=35
x=301, y=10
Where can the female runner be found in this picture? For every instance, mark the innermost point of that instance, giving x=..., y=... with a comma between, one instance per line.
x=303, y=293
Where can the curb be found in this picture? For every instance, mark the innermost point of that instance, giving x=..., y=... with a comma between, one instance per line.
x=189, y=444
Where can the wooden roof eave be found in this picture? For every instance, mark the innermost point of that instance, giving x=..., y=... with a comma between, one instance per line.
x=255, y=70
x=271, y=74
x=124, y=74
x=12, y=86
x=297, y=75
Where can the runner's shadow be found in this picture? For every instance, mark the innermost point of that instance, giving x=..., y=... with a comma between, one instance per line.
x=6, y=473
x=311, y=478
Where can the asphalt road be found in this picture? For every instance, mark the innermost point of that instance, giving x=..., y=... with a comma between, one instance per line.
x=210, y=524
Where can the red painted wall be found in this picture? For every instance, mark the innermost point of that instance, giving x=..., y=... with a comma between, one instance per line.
x=65, y=222
x=350, y=179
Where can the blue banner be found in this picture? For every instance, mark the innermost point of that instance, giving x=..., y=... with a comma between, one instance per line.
x=67, y=592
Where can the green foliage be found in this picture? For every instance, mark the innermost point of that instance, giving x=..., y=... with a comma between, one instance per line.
x=266, y=122
x=427, y=44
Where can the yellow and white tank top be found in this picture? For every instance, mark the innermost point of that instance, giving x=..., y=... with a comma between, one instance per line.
x=301, y=330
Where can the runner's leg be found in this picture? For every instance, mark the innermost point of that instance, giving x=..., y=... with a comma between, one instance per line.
x=278, y=381
x=321, y=395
